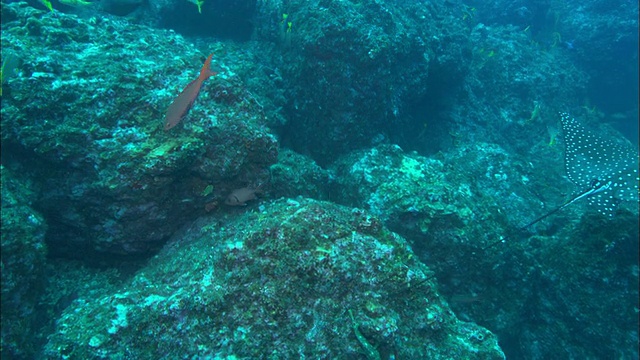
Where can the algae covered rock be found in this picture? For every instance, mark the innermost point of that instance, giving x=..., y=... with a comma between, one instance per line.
x=298, y=175
x=300, y=279
x=348, y=66
x=411, y=193
x=23, y=264
x=91, y=111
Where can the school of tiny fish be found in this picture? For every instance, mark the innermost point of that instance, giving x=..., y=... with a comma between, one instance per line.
x=589, y=159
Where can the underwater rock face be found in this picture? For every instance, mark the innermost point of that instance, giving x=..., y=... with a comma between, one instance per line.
x=298, y=175
x=349, y=67
x=598, y=35
x=113, y=180
x=453, y=206
x=302, y=278
x=23, y=262
x=418, y=196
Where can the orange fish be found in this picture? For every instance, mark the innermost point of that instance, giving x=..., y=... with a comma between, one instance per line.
x=181, y=105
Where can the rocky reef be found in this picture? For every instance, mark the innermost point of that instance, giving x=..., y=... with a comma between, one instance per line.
x=351, y=183
x=92, y=114
x=300, y=278
x=23, y=272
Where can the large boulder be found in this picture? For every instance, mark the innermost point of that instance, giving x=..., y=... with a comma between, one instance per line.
x=89, y=102
x=349, y=67
x=301, y=278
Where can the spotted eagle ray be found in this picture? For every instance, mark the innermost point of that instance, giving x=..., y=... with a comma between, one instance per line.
x=607, y=172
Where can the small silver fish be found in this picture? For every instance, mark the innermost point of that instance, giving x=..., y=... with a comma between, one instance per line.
x=239, y=197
